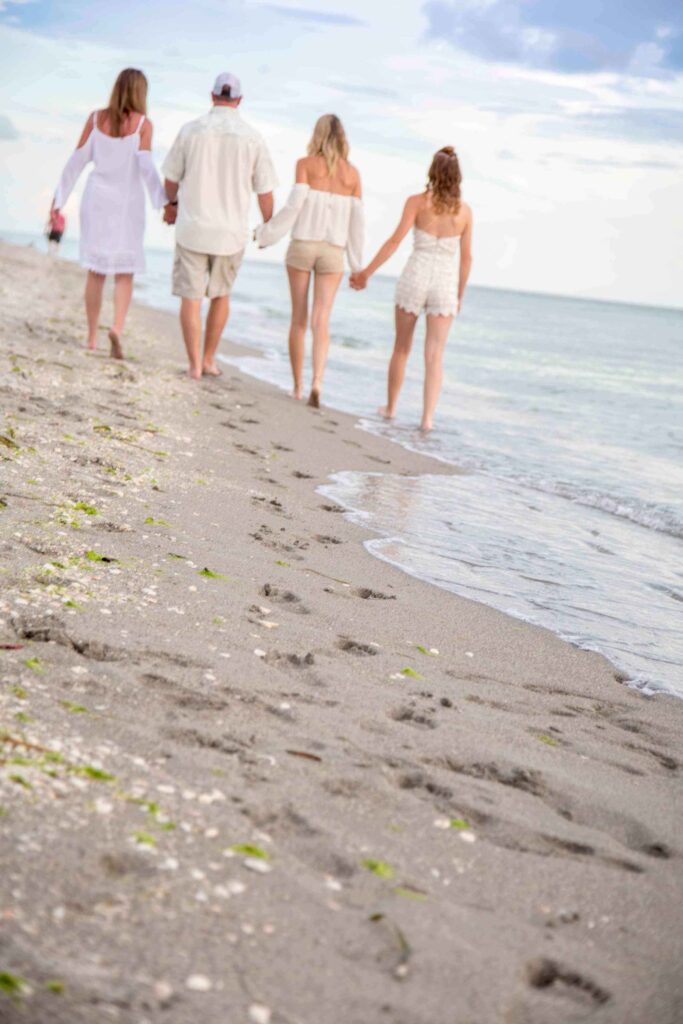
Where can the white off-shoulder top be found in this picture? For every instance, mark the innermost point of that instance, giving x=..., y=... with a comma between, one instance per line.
x=317, y=216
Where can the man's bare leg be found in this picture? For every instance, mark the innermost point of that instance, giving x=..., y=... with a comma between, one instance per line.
x=219, y=310
x=191, y=324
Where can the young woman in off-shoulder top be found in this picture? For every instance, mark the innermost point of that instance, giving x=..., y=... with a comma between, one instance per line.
x=433, y=280
x=325, y=215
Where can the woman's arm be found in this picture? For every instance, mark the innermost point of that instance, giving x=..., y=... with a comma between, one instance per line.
x=354, y=242
x=80, y=157
x=278, y=226
x=465, y=256
x=148, y=171
x=360, y=279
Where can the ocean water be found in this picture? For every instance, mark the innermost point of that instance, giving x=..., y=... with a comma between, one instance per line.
x=566, y=418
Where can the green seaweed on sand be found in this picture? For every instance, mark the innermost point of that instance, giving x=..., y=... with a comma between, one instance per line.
x=12, y=984
x=102, y=428
x=75, y=709
x=95, y=556
x=70, y=603
x=285, y=565
x=411, y=673
x=459, y=823
x=3, y=503
x=22, y=717
x=20, y=693
x=151, y=521
x=410, y=893
x=82, y=506
x=548, y=740
x=249, y=850
x=20, y=780
x=144, y=839
x=97, y=774
x=35, y=664
x=179, y=558
x=56, y=986
x=211, y=575
x=425, y=650
x=7, y=442
x=378, y=867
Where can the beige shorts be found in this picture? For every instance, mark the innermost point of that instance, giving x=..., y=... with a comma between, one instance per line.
x=196, y=274
x=321, y=257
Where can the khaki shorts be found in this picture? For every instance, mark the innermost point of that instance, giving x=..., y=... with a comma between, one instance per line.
x=196, y=274
x=321, y=257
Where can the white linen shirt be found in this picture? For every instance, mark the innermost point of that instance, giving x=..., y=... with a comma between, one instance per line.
x=317, y=216
x=218, y=160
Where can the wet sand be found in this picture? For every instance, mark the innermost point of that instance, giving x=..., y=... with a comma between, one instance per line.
x=248, y=773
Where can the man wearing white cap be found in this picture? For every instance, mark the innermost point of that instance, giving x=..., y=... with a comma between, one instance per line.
x=213, y=166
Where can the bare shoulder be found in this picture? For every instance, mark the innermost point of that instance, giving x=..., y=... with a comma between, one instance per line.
x=146, y=132
x=416, y=201
x=301, y=170
x=87, y=128
x=466, y=211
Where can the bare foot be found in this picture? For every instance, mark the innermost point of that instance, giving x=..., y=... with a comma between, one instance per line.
x=212, y=371
x=298, y=394
x=116, y=350
x=425, y=426
x=384, y=411
x=91, y=346
x=314, y=398
x=194, y=373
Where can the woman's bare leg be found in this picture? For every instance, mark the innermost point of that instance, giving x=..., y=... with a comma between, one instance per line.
x=324, y=291
x=123, y=292
x=299, y=281
x=405, y=329
x=94, y=284
x=435, y=342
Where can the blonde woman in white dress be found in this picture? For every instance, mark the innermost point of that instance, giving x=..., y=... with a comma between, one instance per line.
x=118, y=141
x=325, y=214
x=432, y=282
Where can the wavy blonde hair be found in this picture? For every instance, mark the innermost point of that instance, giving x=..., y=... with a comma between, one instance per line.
x=128, y=96
x=444, y=181
x=329, y=141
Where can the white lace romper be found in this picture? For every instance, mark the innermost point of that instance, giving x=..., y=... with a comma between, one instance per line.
x=429, y=280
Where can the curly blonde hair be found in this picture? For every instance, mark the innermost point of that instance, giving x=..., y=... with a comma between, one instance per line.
x=329, y=141
x=444, y=181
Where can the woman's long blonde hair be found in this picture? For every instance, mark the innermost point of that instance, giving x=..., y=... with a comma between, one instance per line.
x=444, y=180
x=329, y=141
x=128, y=95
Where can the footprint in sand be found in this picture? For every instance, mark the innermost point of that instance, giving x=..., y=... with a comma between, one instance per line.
x=373, y=595
x=287, y=598
x=345, y=643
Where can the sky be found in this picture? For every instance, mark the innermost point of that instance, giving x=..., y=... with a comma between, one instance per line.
x=567, y=116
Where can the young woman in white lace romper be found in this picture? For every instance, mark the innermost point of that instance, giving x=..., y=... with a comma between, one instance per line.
x=118, y=141
x=431, y=280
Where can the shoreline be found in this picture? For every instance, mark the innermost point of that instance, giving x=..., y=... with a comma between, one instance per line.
x=243, y=760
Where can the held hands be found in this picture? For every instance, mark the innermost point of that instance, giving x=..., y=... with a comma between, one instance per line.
x=359, y=280
x=170, y=213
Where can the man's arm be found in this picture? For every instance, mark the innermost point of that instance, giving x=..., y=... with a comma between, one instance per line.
x=265, y=202
x=171, y=207
x=171, y=189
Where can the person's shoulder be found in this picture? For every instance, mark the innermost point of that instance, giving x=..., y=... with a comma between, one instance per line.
x=466, y=209
x=417, y=200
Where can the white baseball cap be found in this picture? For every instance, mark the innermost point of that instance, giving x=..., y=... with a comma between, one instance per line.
x=228, y=86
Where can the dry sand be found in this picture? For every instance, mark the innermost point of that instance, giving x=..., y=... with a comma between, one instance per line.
x=234, y=789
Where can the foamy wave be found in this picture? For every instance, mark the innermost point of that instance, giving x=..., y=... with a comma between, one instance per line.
x=647, y=514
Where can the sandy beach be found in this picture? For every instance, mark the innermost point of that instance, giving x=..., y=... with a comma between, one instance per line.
x=250, y=773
